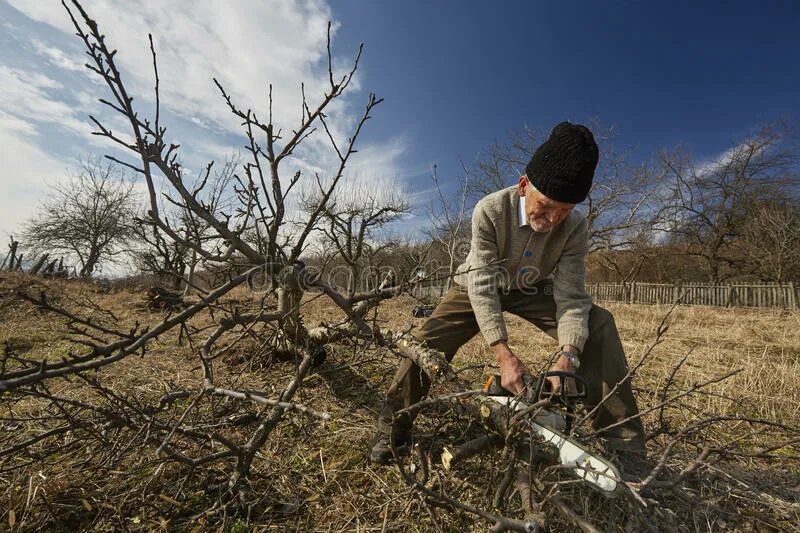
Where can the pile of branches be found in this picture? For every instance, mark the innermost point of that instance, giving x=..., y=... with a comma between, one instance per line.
x=691, y=466
x=214, y=431
x=213, y=427
x=256, y=235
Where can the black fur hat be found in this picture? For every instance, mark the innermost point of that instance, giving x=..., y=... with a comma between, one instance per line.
x=563, y=166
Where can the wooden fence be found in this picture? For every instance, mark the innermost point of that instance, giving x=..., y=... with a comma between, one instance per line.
x=431, y=293
x=774, y=295
x=783, y=296
x=45, y=265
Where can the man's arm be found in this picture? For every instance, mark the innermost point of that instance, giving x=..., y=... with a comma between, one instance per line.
x=573, y=303
x=482, y=286
x=511, y=368
x=484, y=277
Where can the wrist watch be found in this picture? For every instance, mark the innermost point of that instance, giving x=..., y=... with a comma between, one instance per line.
x=572, y=357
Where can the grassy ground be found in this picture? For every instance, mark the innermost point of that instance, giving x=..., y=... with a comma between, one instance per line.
x=313, y=476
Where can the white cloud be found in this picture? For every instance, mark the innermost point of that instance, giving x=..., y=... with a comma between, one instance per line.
x=379, y=160
x=706, y=166
x=16, y=125
x=57, y=57
x=247, y=45
x=200, y=122
x=29, y=97
x=26, y=169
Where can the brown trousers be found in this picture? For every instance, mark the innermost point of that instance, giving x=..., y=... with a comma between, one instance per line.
x=603, y=363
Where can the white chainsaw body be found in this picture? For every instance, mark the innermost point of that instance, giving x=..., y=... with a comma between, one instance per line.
x=598, y=472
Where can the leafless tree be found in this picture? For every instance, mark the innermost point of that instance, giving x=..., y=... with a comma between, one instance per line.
x=503, y=162
x=771, y=241
x=90, y=216
x=173, y=261
x=350, y=223
x=450, y=223
x=262, y=198
x=622, y=205
x=623, y=266
x=706, y=207
x=249, y=236
x=411, y=259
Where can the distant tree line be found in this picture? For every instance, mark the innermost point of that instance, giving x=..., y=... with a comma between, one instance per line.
x=676, y=217
x=672, y=218
x=732, y=219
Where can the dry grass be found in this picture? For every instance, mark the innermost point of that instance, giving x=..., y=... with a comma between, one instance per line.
x=314, y=476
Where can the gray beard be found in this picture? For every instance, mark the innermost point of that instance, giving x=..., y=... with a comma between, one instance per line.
x=538, y=230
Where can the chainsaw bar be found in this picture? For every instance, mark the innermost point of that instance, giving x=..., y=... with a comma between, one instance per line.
x=598, y=472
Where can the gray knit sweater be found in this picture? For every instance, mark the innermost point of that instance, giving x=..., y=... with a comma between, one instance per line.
x=501, y=234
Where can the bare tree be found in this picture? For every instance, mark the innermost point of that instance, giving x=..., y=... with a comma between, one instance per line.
x=410, y=258
x=622, y=204
x=771, y=241
x=89, y=216
x=351, y=221
x=173, y=261
x=707, y=205
x=450, y=224
x=503, y=162
x=622, y=266
x=248, y=237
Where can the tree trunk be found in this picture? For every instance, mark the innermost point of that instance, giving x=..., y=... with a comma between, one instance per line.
x=190, y=276
x=451, y=270
x=290, y=293
x=89, y=265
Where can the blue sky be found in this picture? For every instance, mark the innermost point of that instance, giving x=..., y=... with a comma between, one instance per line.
x=455, y=76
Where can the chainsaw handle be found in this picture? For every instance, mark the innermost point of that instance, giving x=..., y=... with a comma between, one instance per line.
x=538, y=387
x=542, y=386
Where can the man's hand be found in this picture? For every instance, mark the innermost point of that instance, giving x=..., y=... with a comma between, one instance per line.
x=564, y=365
x=511, y=368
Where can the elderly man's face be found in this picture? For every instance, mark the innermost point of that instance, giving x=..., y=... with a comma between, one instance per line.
x=543, y=213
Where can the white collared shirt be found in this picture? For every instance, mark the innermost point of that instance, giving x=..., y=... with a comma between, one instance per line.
x=523, y=216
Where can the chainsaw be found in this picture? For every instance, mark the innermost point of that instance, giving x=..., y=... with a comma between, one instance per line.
x=554, y=425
